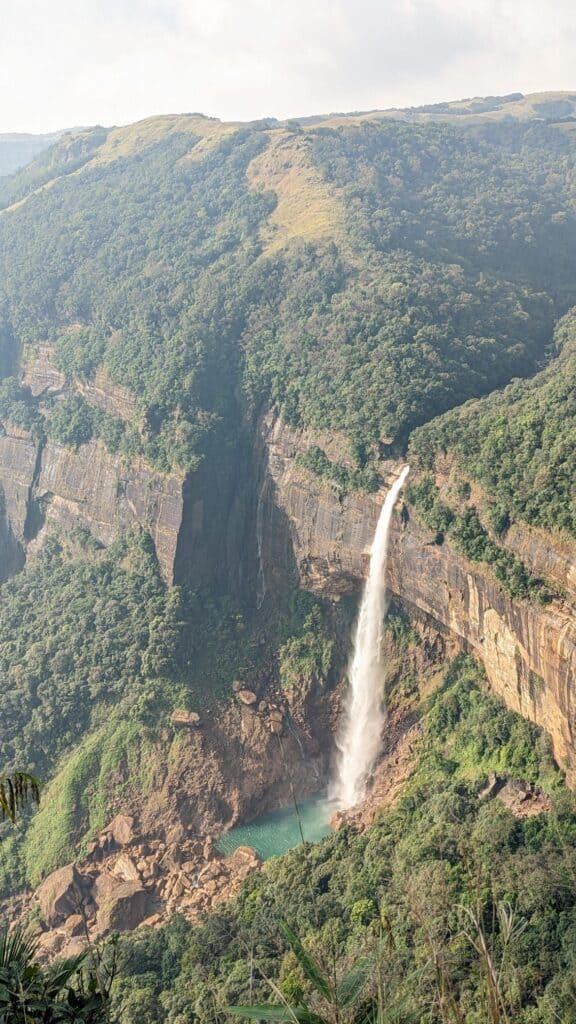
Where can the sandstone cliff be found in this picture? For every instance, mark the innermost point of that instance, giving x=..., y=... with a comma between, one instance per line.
x=311, y=534
x=18, y=457
x=199, y=523
x=85, y=487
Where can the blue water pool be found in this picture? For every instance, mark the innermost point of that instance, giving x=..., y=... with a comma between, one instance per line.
x=278, y=831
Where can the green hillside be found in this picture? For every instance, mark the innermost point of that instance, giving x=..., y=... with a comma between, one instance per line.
x=395, y=284
x=404, y=904
x=427, y=267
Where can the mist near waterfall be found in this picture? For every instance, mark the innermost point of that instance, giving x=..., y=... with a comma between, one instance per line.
x=360, y=738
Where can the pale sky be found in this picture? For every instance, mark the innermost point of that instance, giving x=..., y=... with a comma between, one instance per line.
x=79, y=62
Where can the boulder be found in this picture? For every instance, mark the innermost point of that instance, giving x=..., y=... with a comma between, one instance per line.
x=75, y=925
x=60, y=895
x=175, y=837
x=74, y=947
x=178, y=888
x=190, y=867
x=121, y=829
x=190, y=719
x=152, y=869
x=125, y=869
x=50, y=944
x=103, y=886
x=246, y=853
x=94, y=851
x=493, y=785
x=123, y=908
x=523, y=800
x=247, y=697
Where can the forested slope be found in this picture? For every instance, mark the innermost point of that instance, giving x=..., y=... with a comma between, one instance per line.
x=359, y=276
x=452, y=252
x=404, y=906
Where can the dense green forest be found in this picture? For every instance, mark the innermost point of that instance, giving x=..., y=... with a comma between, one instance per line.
x=433, y=319
x=455, y=254
x=459, y=247
x=519, y=443
x=406, y=900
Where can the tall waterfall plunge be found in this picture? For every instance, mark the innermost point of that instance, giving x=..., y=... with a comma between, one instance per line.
x=361, y=736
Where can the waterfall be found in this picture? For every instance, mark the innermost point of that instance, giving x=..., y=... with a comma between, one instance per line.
x=361, y=736
x=261, y=578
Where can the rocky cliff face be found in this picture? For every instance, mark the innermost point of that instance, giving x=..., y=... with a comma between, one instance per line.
x=18, y=457
x=89, y=487
x=85, y=487
x=308, y=533
x=200, y=523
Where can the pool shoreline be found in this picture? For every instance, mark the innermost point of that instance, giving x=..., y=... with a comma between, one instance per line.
x=276, y=832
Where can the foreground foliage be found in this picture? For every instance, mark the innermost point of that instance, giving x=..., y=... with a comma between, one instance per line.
x=451, y=909
x=69, y=990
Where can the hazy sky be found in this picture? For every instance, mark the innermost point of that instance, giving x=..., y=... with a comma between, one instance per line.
x=73, y=62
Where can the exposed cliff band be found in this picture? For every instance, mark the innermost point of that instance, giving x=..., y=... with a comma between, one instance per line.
x=529, y=652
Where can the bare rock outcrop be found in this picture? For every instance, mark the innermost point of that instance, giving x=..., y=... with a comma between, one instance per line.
x=60, y=895
x=310, y=534
x=40, y=374
x=185, y=718
x=18, y=458
x=121, y=829
x=123, y=908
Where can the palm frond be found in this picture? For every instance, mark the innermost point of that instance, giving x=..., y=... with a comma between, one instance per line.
x=307, y=962
x=16, y=790
x=60, y=973
x=16, y=948
x=354, y=981
x=286, y=1014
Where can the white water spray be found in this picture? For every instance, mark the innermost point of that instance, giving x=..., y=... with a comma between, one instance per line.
x=364, y=718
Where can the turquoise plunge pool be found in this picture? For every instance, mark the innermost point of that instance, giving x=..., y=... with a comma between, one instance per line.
x=278, y=831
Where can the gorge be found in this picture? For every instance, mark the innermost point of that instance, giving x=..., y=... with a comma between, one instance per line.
x=220, y=346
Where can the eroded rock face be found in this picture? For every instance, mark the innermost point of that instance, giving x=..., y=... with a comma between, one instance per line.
x=60, y=895
x=529, y=652
x=18, y=456
x=90, y=487
x=124, y=908
x=85, y=487
x=40, y=373
x=200, y=522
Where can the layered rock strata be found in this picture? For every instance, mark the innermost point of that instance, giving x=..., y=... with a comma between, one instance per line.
x=312, y=535
x=85, y=487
